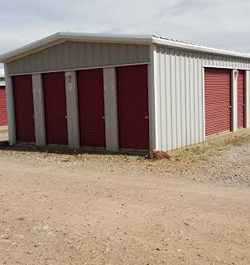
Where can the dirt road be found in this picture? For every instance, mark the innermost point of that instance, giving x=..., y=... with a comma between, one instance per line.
x=69, y=214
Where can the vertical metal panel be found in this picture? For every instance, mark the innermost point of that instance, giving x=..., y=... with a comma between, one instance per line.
x=187, y=88
x=162, y=98
x=74, y=55
x=111, y=115
x=10, y=108
x=156, y=111
x=183, y=101
x=152, y=96
x=247, y=99
x=168, y=116
x=72, y=110
x=196, y=99
x=173, y=98
x=178, y=99
x=234, y=101
x=200, y=100
x=192, y=98
x=39, y=109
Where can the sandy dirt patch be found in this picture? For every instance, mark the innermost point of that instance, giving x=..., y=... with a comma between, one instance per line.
x=59, y=210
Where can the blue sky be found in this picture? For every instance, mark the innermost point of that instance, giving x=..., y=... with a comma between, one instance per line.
x=222, y=23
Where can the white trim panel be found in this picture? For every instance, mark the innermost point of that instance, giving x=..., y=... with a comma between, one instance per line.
x=111, y=112
x=247, y=99
x=10, y=111
x=39, y=115
x=234, y=101
x=152, y=98
x=72, y=110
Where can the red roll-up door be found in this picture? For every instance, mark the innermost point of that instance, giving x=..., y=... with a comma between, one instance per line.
x=132, y=93
x=217, y=100
x=241, y=99
x=55, y=108
x=91, y=108
x=3, y=107
x=24, y=108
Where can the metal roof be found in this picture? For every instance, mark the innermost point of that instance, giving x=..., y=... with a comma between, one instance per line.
x=61, y=37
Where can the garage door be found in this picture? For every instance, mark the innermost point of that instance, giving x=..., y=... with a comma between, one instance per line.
x=132, y=92
x=91, y=108
x=217, y=100
x=240, y=98
x=3, y=107
x=55, y=108
x=24, y=108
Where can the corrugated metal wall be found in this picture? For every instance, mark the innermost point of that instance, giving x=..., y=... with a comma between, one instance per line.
x=74, y=55
x=180, y=95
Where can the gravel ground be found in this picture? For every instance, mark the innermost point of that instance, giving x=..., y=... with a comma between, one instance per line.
x=55, y=211
x=230, y=168
x=227, y=167
x=59, y=208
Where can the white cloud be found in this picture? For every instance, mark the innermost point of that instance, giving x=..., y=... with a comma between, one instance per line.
x=221, y=23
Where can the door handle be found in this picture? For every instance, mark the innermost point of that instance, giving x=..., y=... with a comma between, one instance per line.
x=146, y=117
x=103, y=117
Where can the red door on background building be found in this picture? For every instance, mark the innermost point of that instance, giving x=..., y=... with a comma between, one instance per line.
x=3, y=106
x=55, y=108
x=91, y=108
x=132, y=94
x=241, y=99
x=217, y=100
x=24, y=108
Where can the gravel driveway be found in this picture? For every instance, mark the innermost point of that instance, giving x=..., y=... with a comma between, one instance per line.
x=230, y=168
x=223, y=162
x=58, y=211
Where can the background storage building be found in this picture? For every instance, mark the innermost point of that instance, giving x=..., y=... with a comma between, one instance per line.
x=119, y=92
x=3, y=107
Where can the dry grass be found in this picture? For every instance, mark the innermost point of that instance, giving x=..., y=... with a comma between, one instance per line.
x=3, y=130
x=188, y=155
x=210, y=148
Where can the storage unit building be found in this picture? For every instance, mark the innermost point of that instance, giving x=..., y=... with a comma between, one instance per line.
x=3, y=107
x=119, y=92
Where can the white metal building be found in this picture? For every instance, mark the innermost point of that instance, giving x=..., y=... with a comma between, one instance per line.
x=120, y=92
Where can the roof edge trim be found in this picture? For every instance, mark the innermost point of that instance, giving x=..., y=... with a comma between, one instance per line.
x=198, y=48
x=61, y=37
